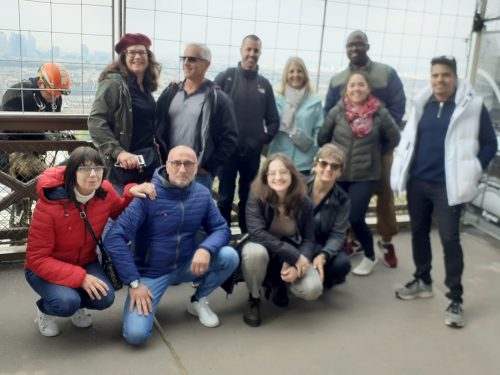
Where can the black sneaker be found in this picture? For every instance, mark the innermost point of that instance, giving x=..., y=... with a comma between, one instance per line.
x=252, y=313
x=280, y=296
x=454, y=316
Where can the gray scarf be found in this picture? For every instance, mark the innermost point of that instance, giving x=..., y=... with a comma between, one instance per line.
x=293, y=100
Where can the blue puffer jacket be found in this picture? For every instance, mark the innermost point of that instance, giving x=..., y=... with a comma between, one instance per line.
x=166, y=230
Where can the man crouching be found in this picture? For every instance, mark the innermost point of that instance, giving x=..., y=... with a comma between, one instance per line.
x=166, y=250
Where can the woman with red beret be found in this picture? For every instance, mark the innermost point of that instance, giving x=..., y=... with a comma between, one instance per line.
x=121, y=122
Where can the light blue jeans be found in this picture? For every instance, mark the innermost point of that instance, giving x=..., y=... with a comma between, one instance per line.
x=137, y=328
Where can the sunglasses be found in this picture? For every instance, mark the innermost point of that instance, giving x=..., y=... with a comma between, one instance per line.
x=333, y=166
x=191, y=59
x=188, y=164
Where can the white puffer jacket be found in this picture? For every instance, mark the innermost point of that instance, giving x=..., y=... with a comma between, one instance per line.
x=462, y=167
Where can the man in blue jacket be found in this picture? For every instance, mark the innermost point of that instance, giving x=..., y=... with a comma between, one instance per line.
x=387, y=87
x=166, y=249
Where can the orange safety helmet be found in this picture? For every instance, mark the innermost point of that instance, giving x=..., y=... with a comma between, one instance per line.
x=56, y=77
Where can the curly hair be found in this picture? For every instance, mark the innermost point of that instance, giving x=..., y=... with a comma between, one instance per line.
x=296, y=193
x=151, y=75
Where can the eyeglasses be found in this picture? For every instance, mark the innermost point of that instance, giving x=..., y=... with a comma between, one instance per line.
x=98, y=169
x=132, y=53
x=333, y=166
x=355, y=45
x=191, y=59
x=188, y=164
x=282, y=172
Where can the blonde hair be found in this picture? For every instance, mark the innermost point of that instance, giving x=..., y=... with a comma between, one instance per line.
x=300, y=63
x=330, y=151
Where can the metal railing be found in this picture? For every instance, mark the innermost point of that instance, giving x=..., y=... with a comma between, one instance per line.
x=17, y=189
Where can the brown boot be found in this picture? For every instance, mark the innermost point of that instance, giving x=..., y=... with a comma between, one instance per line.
x=252, y=312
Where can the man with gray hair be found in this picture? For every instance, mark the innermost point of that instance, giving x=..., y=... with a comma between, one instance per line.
x=197, y=114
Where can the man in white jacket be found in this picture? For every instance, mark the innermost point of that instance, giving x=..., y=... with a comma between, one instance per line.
x=447, y=142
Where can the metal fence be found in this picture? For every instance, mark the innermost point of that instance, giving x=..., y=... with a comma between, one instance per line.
x=38, y=142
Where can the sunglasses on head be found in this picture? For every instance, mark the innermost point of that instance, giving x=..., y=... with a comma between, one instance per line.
x=333, y=166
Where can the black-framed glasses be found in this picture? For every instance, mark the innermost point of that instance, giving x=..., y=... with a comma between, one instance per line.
x=188, y=164
x=133, y=52
x=191, y=59
x=333, y=166
x=98, y=169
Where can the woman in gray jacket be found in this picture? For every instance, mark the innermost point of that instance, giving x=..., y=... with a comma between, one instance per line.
x=362, y=127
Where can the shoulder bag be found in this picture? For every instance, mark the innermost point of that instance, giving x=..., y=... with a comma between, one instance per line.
x=107, y=266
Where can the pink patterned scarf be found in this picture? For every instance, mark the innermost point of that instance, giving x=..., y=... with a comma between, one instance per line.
x=360, y=118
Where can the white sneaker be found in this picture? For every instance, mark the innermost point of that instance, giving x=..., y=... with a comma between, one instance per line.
x=81, y=318
x=202, y=310
x=365, y=267
x=46, y=324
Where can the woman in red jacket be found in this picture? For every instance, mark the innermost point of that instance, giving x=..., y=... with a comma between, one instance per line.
x=61, y=259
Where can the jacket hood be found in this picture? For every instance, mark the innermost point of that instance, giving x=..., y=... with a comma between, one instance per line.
x=160, y=178
x=50, y=180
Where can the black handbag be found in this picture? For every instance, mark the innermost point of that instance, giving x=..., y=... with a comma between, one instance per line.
x=144, y=173
x=107, y=266
x=237, y=275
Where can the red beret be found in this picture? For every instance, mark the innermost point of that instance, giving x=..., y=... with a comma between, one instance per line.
x=132, y=39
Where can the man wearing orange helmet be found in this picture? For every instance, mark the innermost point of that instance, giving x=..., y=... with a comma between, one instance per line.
x=38, y=94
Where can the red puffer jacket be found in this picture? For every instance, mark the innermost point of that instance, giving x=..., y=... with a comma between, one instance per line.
x=59, y=243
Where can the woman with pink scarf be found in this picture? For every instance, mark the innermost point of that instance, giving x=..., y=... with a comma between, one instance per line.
x=363, y=128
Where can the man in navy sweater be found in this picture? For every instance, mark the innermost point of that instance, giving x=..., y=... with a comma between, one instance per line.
x=254, y=106
x=447, y=142
x=387, y=87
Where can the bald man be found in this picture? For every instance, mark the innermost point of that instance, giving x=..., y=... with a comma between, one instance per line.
x=166, y=248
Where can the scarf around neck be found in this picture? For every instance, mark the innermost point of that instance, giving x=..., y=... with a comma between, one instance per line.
x=293, y=100
x=361, y=118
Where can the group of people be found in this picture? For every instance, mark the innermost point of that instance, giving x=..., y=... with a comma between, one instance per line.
x=322, y=168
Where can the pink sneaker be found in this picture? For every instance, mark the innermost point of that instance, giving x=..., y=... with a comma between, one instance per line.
x=387, y=249
x=353, y=248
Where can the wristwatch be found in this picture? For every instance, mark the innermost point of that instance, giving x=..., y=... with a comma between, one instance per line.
x=134, y=284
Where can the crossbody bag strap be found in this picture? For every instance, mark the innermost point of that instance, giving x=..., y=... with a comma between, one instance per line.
x=99, y=243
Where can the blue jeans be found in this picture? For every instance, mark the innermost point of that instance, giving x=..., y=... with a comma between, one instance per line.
x=137, y=328
x=59, y=300
x=360, y=193
x=424, y=199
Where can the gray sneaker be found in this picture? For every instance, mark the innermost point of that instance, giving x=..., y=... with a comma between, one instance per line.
x=454, y=316
x=415, y=289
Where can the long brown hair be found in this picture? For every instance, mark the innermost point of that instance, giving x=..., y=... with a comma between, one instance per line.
x=296, y=191
x=151, y=75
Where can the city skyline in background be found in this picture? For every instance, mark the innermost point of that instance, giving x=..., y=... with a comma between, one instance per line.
x=405, y=34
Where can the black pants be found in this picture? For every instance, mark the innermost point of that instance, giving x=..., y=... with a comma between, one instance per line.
x=336, y=270
x=424, y=199
x=247, y=166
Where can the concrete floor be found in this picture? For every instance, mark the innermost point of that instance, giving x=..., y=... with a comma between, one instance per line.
x=357, y=328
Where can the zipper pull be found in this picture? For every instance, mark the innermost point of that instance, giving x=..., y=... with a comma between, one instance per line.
x=441, y=104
